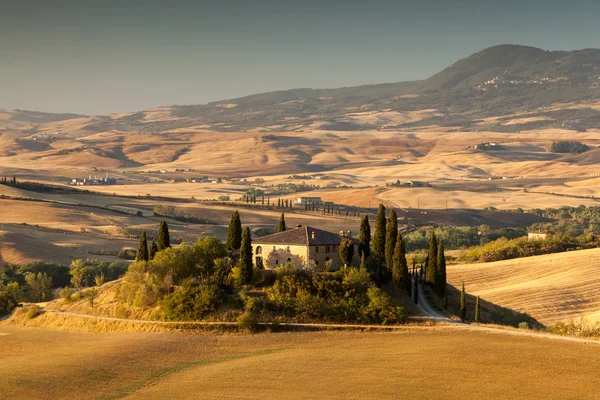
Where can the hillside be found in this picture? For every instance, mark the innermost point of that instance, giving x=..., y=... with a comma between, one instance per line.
x=550, y=288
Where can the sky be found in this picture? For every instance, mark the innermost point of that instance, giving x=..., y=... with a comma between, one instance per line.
x=106, y=56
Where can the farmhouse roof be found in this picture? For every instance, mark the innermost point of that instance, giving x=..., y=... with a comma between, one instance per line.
x=304, y=236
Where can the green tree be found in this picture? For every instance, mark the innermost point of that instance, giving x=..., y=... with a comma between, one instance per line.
x=400, y=274
x=416, y=288
x=40, y=286
x=379, y=236
x=364, y=238
x=281, y=226
x=463, y=304
x=245, y=264
x=153, y=250
x=431, y=260
x=440, y=279
x=78, y=272
x=445, y=298
x=477, y=310
x=346, y=251
x=99, y=279
x=142, y=253
x=234, y=236
x=164, y=240
x=363, y=261
x=390, y=239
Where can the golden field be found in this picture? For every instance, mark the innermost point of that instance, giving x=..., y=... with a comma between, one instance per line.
x=550, y=288
x=418, y=364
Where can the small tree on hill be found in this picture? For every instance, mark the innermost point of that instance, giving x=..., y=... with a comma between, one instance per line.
x=445, y=298
x=234, y=235
x=245, y=263
x=390, y=239
x=364, y=238
x=379, y=236
x=416, y=288
x=142, y=253
x=430, y=273
x=153, y=250
x=346, y=251
x=281, y=226
x=164, y=240
x=463, y=304
x=477, y=310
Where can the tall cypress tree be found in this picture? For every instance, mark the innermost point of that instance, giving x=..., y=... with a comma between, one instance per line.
x=390, y=239
x=445, y=298
x=440, y=279
x=379, y=236
x=463, y=304
x=234, y=236
x=245, y=262
x=364, y=239
x=153, y=250
x=477, y=310
x=431, y=260
x=281, y=226
x=400, y=274
x=142, y=253
x=416, y=288
x=164, y=240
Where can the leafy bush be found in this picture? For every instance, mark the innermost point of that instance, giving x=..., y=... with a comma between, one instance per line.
x=192, y=302
x=127, y=254
x=33, y=312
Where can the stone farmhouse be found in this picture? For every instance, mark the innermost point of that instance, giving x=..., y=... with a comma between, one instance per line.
x=538, y=235
x=300, y=246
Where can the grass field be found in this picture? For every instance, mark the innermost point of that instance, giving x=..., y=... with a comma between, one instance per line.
x=420, y=364
x=550, y=288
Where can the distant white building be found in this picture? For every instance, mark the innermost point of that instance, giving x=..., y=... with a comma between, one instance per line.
x=538, y=235
x=308, y=200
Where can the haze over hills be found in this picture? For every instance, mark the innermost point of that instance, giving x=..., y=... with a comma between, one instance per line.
x=369, y=134
x=497, y=81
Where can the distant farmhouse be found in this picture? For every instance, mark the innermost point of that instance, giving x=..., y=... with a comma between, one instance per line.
x=538, y=235
x=489, y=146
x=300, y=246
x=93, y=181
x=308, y=200
x=410, y=184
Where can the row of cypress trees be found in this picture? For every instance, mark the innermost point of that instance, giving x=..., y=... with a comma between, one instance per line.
x=385, y=254
x=163, y=241
x=240, y=240
x=435, y=272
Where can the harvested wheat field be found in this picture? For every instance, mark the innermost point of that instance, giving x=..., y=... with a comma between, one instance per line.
x=420, y=364
x=550, y=288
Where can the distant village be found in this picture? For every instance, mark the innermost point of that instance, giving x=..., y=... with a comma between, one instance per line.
x=93, y=181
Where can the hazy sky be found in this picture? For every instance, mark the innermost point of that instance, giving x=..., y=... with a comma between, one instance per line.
x=117, y=56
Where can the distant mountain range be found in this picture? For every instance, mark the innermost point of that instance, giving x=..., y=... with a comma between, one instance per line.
x=540, y=86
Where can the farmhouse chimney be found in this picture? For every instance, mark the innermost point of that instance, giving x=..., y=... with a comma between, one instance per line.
x=312, y=234
x=342, y=234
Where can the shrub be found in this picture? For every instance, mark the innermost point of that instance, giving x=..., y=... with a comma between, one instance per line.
x=66, y=294
x=523, y=325
x=191, y=302
x=33, y=312
x=247, y=322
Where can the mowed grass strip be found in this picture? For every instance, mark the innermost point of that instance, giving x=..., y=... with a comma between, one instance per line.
x=434, y=364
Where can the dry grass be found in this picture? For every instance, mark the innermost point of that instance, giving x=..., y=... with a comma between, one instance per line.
x=51, y=364
x=550, y=288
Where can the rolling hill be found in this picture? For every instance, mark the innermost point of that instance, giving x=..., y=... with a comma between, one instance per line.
x=551, y=288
